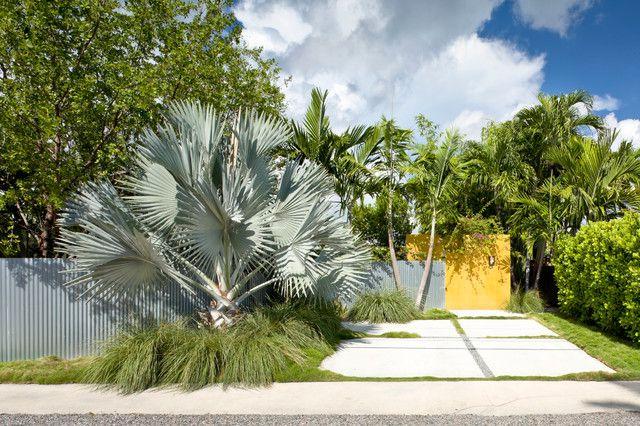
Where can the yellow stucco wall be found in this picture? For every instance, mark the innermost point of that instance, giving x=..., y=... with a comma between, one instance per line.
x=471, y=283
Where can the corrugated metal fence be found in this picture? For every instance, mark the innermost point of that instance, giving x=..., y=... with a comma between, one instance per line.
x=39, y=316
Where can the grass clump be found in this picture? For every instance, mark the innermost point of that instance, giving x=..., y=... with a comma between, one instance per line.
x=436, y=314
x=251, y=352
x=525, y=302
x=383, y=306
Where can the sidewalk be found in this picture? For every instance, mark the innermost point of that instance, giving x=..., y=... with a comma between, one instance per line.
x=356, y=398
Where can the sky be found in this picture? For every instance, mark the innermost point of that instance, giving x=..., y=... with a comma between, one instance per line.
x=462, y=63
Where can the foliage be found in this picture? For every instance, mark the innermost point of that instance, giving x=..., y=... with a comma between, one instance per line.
x=81, y=79
x=370, y=221
x=262, y=345
x=210, y=213
x=437, y=173
x=347, y=157
x=49, y=370
x=472, y=234
x=598, y=275
x=383, y=306
x=525, y=302
x=618, y=354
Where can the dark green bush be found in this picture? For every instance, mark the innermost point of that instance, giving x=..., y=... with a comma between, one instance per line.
x=251, y=352
x=383, y=306
x=525, y=302
x=598, y=275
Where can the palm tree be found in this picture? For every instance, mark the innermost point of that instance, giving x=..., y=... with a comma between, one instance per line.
x=436, y=174
x=347, y=157
x=599, y=181
x=553, y=122
x=396, y=142
x=213, y=214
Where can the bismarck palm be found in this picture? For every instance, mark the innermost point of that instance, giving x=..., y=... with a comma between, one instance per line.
x=212, y=213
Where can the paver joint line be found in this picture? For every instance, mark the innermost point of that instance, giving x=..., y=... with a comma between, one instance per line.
x=476, y=357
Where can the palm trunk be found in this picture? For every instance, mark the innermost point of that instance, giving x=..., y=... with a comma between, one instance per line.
x=542, y=249
x=392, y=250
x=427, y=263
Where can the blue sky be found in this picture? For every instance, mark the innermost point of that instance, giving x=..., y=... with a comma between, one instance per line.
x=463, y=63
x=600, y=52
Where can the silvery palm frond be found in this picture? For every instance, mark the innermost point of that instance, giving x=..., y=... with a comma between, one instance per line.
x=205, y=207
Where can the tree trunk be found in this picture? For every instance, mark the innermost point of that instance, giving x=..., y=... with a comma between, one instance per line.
x=392, y=250
x=542, y=249
x=427, y=263
x=47, y=234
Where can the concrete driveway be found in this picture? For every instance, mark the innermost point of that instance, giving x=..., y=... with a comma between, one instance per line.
x=486, y=348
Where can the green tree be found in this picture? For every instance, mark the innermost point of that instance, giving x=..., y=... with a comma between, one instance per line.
x=552, y=123
x=395, y=156
x=79, y=80
x=206, y=212
x=436, y=176
x=348, y=157
x=370, y=221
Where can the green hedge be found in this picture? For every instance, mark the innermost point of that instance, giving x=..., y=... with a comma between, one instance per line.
x=598, y=275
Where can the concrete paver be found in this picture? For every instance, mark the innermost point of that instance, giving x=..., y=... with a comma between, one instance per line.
x=461, y=313
x=424, y=328
x=382, y=357
x=459, y=397
x=504, y=328
x=535, y=357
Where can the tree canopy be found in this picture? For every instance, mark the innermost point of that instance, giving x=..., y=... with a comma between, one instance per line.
x=80, y=80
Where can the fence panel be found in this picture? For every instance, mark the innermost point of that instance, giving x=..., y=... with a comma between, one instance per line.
x=410, y=274
x=39, y=316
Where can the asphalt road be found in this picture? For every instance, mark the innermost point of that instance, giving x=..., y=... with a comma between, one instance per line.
x=629, y=418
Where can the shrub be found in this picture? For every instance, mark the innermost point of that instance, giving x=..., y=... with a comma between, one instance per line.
x=251, y=352
x=598, y=275
x=383, y=306
x=525, y=302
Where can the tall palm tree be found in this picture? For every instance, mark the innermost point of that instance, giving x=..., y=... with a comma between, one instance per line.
x=347, y=157
x=396, y=142
x=210, y=213
x=553, y=122
x=436, y=176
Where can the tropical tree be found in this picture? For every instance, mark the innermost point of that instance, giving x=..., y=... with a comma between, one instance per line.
x=396, y=142
x=212, y=213
x=600, y=182
x=437, y=173
x=552, y=123
x=79, y=80
x=348, y=157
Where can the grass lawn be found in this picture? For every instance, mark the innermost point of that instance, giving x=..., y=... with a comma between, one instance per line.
x=49, y=370
x=618, y=354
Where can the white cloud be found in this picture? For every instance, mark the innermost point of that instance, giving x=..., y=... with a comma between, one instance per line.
x=605, y=103
x=629, y=129
x=419, y=56
x=553, y=15
x=276, y=28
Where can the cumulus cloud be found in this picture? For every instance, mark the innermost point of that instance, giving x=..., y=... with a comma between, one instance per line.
x=605, y=103
x=394, y=58
x=629, y=129
x=553, y=15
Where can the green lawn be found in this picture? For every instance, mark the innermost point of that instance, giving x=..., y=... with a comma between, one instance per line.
x=618, y=354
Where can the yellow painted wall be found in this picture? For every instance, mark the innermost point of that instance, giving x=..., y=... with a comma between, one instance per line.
x=470, y=282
